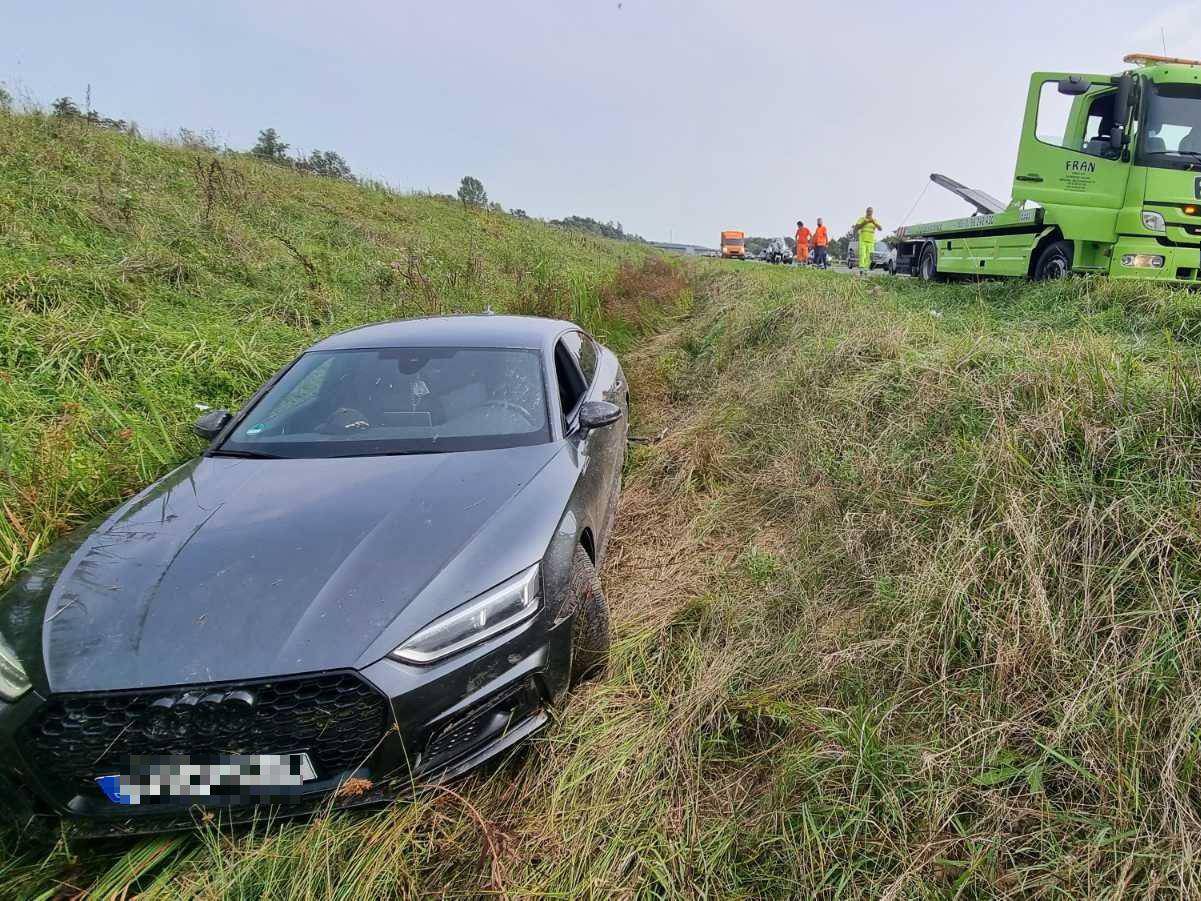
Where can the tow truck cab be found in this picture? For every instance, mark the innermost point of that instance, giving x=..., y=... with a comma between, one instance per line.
x=1108, y=180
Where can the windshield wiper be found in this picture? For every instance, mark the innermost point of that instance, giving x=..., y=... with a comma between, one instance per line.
x=245, y=455
x=404, y=453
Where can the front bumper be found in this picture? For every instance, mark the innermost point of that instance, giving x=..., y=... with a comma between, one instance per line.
x=1182, y=262
x=437, y=722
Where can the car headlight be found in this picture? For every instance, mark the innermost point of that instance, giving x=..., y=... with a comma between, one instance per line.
x=501, y=608
x=13, y=680
x=1153, y=221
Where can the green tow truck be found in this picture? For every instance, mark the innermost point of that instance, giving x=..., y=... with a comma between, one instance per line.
x=1108, y=181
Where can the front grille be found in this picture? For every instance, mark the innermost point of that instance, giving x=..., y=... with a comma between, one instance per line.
x=337, y=719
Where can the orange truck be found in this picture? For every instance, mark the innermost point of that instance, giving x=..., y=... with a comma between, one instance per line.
x=733, y=245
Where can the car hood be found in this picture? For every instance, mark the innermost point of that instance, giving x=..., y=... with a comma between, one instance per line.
x=232, y=569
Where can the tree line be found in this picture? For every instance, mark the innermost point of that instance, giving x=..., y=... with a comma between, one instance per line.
x=471, y=193
x=271, y=147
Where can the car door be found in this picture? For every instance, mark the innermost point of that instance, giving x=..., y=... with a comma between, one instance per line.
x=575, y=366
x=605, y=382
x=573, y=390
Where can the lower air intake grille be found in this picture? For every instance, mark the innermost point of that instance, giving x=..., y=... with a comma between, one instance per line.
x=337, y=719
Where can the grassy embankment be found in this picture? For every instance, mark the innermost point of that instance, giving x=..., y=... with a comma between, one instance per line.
x=905, y=603
x=137, y=280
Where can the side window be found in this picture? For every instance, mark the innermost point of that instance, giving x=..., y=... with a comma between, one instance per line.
x=1099, y=126
x=1081, y=123
x=1054, y=117
x=587, y=358
x=567, y=374
x=1055, y=121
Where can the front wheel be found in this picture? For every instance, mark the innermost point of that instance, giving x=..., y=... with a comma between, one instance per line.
x=586, y=604
x=1054, y=262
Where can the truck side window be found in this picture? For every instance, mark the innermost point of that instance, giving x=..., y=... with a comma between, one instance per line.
x=1054, y=117
x=1081, y=123
x=1099, y=126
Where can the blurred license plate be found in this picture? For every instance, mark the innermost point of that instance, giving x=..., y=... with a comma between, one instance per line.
x=155, y=779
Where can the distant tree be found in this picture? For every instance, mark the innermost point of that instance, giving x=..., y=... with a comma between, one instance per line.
x=6, y=99
x=270, y=147
x=519, y=214
x=65, y=108
x=471, y=191
x=326, y=163
x=613, y=230
x=840, y=246
x=94, y=118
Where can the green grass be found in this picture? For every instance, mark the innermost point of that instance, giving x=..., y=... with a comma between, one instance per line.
x=138, y=280
x=905, y=601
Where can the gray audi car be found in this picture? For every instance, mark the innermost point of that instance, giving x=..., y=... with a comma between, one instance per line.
x=381, y=572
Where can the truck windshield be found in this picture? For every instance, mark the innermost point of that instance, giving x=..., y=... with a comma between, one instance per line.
x=732, y=242
x=1172, y=127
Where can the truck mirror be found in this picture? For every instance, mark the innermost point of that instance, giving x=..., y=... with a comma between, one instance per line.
x=1121, y=112
x=1074, y=85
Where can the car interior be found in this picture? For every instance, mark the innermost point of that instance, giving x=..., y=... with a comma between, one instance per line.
x=405, y=393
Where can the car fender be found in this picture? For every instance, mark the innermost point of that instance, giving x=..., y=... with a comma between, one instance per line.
x=518, y=535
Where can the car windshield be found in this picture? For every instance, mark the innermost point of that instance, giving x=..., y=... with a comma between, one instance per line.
x=1172, y=127
x=404, y=400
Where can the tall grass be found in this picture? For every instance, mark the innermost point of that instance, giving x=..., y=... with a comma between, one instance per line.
x=905, y=607
x=905, y=600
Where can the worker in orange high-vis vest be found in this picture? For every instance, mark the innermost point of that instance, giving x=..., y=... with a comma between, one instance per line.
x=821, y=246
x=802, y=244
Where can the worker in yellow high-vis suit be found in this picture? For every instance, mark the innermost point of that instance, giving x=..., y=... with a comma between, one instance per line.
x=865, y=230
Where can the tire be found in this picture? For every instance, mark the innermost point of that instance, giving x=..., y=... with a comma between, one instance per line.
x=1054, y=262
x=927, y=265
x=589, y=612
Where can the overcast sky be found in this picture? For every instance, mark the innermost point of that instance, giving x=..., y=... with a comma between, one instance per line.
x=677, y=118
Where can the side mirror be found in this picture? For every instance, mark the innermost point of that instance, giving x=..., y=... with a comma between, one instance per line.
x=209, y=425
x=596, y=414
x=1121, y=112
x=1074, y=85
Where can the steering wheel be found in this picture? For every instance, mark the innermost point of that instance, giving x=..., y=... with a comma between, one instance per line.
x=508, y=404
x=344, y=419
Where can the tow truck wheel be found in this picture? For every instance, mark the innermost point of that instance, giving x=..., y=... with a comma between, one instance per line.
x=927, y=265
x=1054, y=262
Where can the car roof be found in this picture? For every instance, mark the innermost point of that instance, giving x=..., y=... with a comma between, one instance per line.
x=477, y=330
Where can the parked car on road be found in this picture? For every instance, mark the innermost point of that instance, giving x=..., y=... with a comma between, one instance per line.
x=778, y=252
x=383, y=567
x=881, y=255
